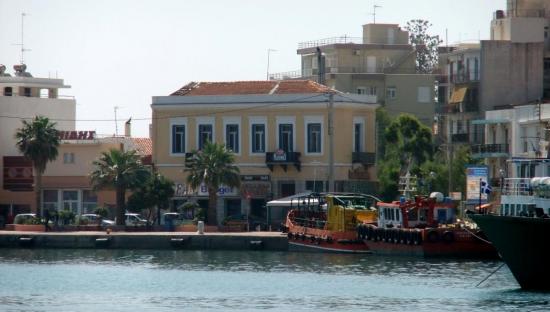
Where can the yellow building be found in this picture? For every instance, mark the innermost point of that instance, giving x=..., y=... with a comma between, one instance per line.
x=278, y=131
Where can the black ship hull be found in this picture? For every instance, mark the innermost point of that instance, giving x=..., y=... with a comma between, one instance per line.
x=524, y=245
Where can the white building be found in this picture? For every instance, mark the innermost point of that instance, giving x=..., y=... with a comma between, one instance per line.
x=24, y=96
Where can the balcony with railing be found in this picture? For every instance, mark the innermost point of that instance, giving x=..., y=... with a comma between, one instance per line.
x=490, y=150
x=283, y=159
x=460, y=137
x=363, y=158
x=464, y=78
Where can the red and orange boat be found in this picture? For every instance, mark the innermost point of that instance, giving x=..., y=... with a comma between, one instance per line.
x=424, y=227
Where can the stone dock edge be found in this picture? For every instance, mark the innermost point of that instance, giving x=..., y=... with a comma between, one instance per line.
x=269, y=241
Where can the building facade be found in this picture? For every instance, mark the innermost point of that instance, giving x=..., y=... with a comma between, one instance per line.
x=508, y=69
x=23, y=96
x=278, y=131
x=382, y=63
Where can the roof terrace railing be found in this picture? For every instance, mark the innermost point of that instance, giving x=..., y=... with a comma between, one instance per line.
x=326, y=41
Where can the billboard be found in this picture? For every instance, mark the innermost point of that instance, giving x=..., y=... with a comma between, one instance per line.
x=474, y=174
x=18, y=175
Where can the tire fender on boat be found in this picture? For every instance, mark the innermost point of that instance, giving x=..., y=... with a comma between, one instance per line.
x=432, y=236
x=448, y=237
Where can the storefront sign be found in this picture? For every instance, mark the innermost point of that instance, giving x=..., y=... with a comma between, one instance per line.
x=255, y=177
x=222, y=191
x=183, y=190
x=18, y=174
x=279, y=155
x=255, y=189
x=474, y=174
x=76, y=135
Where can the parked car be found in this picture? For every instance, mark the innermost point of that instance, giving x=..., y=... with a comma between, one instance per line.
x=134, y=219
x=24, y=218
x=94, y=219
x=174, y=218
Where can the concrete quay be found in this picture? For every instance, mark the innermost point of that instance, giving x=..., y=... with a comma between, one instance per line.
x=273, y=241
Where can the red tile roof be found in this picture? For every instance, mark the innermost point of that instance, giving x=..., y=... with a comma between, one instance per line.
x=251, y=87
x=143, y=146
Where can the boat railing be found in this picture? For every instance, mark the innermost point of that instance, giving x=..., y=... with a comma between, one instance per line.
x=517, y=187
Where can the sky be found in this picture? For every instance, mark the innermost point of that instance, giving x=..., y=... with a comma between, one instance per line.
x=121, y=53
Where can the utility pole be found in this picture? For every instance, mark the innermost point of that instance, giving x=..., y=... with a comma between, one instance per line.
x=331, y=141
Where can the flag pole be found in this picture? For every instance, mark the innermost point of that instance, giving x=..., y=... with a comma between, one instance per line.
x=480, y=210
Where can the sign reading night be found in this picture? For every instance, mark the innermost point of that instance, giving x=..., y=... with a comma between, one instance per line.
x=76, y=135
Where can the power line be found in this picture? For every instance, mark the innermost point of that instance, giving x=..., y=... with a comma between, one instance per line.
x=268, y=104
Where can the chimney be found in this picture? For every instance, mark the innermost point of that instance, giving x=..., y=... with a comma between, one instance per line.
x=128, y=128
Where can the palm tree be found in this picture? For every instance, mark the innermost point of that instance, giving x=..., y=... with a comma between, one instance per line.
x=38, y=141
x=156, y=192
x=119, y=170
x=213, y=167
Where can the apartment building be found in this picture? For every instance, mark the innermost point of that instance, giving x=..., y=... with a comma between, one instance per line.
x=509, y=69
x=278, y=131
x=24, y=96
x=381, y=64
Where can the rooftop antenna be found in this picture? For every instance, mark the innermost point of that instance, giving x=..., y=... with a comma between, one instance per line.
x=116, y=122
x=374, y=7
x=22, y=44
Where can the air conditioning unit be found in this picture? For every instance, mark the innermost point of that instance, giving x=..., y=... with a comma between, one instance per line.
x=356, y=52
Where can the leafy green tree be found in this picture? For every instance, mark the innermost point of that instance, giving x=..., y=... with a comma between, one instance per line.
x=121, y=171
x=408, y=146
x=155, y=193
x=425, y=44
x=383, y=120
x=213, y=166
x=38, y=141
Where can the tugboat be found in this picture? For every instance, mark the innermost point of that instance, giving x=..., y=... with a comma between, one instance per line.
x=520, y=230
x=327, y=222
x=423, y=226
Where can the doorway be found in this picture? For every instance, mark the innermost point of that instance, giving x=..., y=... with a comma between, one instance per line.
x=288, y=189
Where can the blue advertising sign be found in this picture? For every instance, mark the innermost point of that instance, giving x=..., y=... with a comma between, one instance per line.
x=475, y=174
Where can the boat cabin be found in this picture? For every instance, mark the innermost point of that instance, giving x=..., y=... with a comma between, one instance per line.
x=417, y=213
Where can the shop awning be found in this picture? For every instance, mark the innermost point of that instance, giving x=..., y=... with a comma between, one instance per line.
x=489, y=121
x=458, y=95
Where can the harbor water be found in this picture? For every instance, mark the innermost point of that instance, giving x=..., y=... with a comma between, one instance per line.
x=151, y=280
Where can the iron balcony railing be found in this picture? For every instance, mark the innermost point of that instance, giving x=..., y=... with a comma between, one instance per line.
x=490, y=149
x=283, y=159
x=363, y=158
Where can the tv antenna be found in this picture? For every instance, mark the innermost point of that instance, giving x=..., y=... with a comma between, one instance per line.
x=22, y=44
x=374, y=7
x=116, y=121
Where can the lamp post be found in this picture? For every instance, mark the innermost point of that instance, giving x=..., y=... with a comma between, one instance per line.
x=268, y=54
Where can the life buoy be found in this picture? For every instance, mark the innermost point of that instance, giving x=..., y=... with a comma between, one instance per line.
x=432, y=236
x=448, y=237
